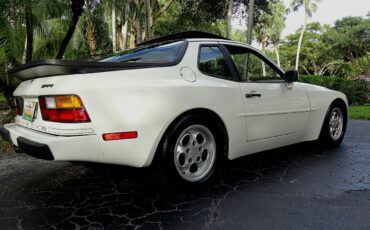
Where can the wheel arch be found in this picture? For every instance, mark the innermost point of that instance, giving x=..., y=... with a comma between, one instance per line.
x=342, y=103
x=203, y=112
x=344, y=106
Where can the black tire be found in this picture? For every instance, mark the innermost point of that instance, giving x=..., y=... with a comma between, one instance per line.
x=326, y=138
x=165, y=165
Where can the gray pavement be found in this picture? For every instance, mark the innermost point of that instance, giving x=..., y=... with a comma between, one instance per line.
x=296, y=187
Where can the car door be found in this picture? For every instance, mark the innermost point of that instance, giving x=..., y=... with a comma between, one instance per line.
x=273, y=108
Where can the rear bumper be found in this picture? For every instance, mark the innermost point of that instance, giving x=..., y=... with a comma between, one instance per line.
x=52, y=147
x=32, y=148
x=35, y=149
x=5, y=134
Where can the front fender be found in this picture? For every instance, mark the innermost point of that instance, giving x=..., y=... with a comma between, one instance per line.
x=320, y=100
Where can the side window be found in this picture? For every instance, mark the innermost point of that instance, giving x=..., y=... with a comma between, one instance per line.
x=250, y=67
x=212, y=61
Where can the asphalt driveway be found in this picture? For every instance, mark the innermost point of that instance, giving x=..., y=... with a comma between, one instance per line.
x=296, y=187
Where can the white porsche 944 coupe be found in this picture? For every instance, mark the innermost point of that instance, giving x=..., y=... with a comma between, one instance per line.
x=184, y=103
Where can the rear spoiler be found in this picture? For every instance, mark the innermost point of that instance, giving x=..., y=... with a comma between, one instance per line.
x=54, y=67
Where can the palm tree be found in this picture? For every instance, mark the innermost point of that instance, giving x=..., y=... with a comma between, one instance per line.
x=276, y=24
x=310, y=7
x=77, y=9
x=11, y=44
x=160, y=11
x=90, y=29
x=250, y=21
x=151, y=15
x=29, y=30
x=115, y=13
x=249, y=35
x=228, y=18
x=148, y=19
x=261, y=31
x=125, y=25
x=138, y=39
x=114, y=36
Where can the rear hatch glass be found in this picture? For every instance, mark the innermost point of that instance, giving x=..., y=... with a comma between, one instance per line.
x=167, y=52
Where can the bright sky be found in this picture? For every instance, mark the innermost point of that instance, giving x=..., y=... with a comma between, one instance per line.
x=328, y=12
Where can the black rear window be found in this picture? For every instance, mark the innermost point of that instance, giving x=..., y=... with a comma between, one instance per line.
x=167, y=52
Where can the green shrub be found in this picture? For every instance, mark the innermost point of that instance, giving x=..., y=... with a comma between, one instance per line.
x=357, y=90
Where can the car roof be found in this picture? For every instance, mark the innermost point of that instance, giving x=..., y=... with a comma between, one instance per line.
x=183, y=36
x=216, y=40
x=193, y=36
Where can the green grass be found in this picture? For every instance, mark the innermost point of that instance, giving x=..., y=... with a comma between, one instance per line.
x=359, y=112
x=2, y=98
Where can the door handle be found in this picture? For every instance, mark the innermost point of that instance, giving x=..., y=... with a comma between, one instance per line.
x=249, y=95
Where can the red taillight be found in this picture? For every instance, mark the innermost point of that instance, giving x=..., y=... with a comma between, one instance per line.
x=72, y=115
x=17, y=109
x=59, y=112
x=18, y=105
x=118, y=136
x=42, y=102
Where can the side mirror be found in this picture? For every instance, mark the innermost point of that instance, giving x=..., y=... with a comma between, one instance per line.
x=291, y=76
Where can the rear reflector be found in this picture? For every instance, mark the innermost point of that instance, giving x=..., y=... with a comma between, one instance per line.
x=68, y=108
x=118, y=136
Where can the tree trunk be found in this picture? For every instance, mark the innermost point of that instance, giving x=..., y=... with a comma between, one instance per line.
x=249, y=37
x=322, y=71
x=352, y=61
x=92, y=42
x=125, y=26
x=306, y=70
x=90, y=31
x=123, y=37
x=77, y=8
x=250, y=21
x=300, y=39
x=263, y=51
x=276, y=48
x=133, y=32
x=119, y=37
x=114, y=36
x=315, y=68
x=245, y=69
x=228, y=18
x=137, y=24
x=29, y=31
x=148, y=20
x=25, y=51
x=143, y=36
x=132, y=40
x=6, y=73
x=159, y=12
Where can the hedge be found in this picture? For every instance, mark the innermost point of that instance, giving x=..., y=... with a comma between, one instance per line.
x=356, y=90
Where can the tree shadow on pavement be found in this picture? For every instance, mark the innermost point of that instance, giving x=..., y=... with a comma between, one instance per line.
x=95, y=195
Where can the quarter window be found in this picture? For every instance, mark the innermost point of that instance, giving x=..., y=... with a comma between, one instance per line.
x=158, y=53
x=212, y=61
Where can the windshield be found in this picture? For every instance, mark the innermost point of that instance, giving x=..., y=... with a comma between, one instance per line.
x=155, y=53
